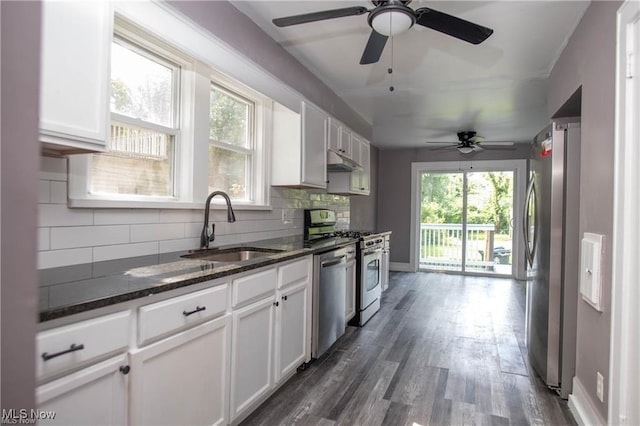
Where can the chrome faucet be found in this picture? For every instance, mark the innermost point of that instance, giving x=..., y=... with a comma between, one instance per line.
x=208, y=236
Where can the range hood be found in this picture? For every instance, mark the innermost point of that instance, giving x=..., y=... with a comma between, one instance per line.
x=339, y=163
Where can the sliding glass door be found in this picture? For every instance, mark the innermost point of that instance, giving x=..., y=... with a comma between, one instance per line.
x=466, y=221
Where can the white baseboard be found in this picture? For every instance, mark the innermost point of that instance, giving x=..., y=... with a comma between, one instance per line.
x=582, y=408
x=400, y=267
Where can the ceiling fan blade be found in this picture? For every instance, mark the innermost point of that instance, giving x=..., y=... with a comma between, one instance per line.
x=374, y=48
x=496, y=143
x=450, y=25
x=319, y=16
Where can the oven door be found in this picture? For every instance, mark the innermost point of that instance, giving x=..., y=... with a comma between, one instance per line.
x=371, y=288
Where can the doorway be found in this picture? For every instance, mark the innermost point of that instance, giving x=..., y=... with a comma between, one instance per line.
x=467, y=217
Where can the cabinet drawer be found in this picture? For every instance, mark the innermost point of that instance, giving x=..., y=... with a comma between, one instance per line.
x=294, y=272
x=164, y=317
x=71, y=346
x=254, y=286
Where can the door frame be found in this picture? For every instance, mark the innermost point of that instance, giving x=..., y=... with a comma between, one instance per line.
x=624, y=372
x=519, y=167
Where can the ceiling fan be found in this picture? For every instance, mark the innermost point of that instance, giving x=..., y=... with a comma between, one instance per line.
x=468, y=142
x=393, y=17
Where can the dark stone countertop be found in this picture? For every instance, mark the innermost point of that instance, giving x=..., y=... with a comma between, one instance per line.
x=74, y=289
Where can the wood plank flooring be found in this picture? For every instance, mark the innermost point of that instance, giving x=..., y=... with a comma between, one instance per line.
x=442, y=350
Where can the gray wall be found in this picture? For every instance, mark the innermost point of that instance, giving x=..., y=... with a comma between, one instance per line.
x=394, y=187
x=234, y=28
x=588, y=60
x=363, y=214
x=20, y=26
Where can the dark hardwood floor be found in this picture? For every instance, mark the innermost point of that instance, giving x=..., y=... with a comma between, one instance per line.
x=442, y=350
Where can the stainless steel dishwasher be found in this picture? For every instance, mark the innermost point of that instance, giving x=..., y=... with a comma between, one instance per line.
x=329, y=288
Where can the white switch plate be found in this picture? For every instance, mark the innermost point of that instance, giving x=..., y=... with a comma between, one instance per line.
x=591, y=270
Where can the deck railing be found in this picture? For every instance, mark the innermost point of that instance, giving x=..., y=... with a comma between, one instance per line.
x=441, y=245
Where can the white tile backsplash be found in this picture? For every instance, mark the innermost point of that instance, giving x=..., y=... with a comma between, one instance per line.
x=58, y=192
x=61, y=215
x=58, y=258
x=157, y=232
x=125, y=216
x=83, y=235
x=88, y=236
x=123, y=251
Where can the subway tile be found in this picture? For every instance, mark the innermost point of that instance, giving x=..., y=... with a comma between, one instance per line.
x=125, y=216
x=193, y=230
x=61, y=215
x=122, y=251
x=57, y=258
x=44, y=191
x=185, y=244
x=157, y=232
x=43, y=239
x=173, y=216
x=53, y=168
x=58, y=192
x=88, y=236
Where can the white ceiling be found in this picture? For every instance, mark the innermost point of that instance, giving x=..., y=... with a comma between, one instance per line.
x=442, y=85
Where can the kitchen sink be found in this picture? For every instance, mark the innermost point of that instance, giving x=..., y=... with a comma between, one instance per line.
x=232, y=255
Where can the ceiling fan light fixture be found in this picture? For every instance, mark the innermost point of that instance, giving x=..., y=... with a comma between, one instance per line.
x=392, y=20
x=465, y=149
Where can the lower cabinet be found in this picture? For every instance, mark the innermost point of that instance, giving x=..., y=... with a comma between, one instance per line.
x=95, y=395
x=350, y=297
x=291, y=333
x=182, y=379
x=251, y=354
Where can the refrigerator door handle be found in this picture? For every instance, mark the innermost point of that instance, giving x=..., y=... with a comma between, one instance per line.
x=530, y=246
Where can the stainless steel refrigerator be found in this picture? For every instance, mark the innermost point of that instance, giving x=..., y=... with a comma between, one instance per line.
x=551, y=229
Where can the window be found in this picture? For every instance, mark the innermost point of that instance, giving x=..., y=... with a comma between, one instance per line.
x=231, y=143
x=144, y=126
x=179, y=128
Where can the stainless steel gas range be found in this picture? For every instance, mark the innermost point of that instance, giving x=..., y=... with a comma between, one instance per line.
x=320, y=228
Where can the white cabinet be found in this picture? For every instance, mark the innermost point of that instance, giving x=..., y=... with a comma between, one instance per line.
x=384, y=268
x=291, y=336
x=356, y=182
x=75, y=75
x=299, y=147
x=338, y=137
x=251, y=355
x=182, y=379
x=96, y=395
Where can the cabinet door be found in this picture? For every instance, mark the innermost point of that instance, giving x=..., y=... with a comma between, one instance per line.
x=96, y=395
x=345, y=142
x=365, y=161
x=75, y=76
x=183, y=379
x=350, y=297
x=333, y=134
x=251, y=355
x=291, y=336
x=314, y=146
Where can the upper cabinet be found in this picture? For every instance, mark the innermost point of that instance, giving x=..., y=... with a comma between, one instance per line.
x=299, y=147
x=75, y=75
x=358, y=181
x=338, y=137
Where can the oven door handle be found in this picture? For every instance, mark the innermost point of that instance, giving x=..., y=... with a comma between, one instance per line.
x=333, y=262
x=374, y=251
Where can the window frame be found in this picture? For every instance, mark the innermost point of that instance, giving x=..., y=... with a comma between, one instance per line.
x=191, y=155
x=258, y=192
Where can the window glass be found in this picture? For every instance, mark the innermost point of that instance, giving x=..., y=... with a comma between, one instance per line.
x=228, y=172
x=140, y=162
x=141, y=157
x=230, y=118
x=141, y=86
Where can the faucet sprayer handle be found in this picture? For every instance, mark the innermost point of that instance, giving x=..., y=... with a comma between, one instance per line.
x=212, y=235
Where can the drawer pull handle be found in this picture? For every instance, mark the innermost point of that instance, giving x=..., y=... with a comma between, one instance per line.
x=284, y=297
x=276, y=303
x=195, y=311
x=72, y=348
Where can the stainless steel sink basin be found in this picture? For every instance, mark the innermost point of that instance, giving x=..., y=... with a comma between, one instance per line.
x=232, y=255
